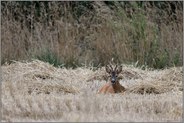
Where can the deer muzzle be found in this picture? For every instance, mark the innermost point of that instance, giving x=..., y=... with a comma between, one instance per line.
x=113, y=80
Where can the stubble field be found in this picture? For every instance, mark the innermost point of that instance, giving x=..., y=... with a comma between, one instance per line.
x=37, y=91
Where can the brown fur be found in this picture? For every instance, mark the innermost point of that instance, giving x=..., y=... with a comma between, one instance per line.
x=112, y=88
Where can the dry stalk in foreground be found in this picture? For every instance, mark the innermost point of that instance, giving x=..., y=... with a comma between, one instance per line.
x=37, y=91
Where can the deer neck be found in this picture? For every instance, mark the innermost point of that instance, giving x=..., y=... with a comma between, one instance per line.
x=115, y=85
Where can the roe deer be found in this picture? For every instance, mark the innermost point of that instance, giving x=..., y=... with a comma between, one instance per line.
x=113, y=86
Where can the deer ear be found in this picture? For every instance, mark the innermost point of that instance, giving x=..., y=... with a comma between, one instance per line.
x=119, y=69
x=108, y=70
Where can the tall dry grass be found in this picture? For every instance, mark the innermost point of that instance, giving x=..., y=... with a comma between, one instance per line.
x=37, y=91
x=91, y=33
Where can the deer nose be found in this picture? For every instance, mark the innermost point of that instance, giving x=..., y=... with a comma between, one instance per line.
x=113, y=80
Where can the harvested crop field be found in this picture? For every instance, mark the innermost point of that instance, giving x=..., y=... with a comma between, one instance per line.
x=37, y=91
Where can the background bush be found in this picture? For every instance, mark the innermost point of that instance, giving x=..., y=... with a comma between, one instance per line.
x=92, y=33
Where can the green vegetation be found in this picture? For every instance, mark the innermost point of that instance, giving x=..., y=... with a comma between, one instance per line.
x=50, y=57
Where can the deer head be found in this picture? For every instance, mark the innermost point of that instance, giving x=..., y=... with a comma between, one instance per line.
x=113, y=73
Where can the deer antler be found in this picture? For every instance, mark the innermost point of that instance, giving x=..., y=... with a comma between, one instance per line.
x=111, y=66
x=116, y=67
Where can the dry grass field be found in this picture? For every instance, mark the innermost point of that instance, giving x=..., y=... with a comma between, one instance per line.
x=37, y=91
x=91, y=33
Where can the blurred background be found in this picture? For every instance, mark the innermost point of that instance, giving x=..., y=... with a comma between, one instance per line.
x=74, y=34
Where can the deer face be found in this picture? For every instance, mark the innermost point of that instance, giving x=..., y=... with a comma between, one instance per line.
x=113, y=73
